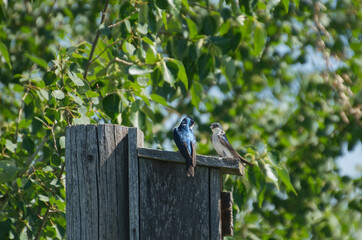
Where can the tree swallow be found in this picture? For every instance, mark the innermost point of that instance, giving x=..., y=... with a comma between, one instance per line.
x=185, y=141
x=222, y=144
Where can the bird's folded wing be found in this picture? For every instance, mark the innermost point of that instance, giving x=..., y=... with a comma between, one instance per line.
x=224, y=141
x=193, y=155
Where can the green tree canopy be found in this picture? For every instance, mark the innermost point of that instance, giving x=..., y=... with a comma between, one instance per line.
x=282, y=77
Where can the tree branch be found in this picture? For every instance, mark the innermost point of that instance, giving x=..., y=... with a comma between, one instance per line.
x=20, y=113
x=110, y=45
x=43, y=223
x=45, y=218
x=118, y=23
x=94, y=44
x=123, y=61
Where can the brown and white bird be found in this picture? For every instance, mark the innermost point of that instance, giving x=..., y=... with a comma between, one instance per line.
x=222, y=144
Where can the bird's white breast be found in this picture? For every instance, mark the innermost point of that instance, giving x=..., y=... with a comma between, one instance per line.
x=220, y=149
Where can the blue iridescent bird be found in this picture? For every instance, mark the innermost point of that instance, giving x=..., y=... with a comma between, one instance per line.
x=222, y=144
x=186, y=143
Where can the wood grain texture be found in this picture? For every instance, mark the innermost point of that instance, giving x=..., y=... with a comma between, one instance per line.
x=172, y=205
x=121, y=142
x=135, y=140
x=226, y=165
x=227, y=226
x=215, y=204
x=97, y=182
x=107, y=183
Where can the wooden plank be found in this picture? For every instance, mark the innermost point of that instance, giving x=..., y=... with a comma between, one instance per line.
x=226, y=165
x=72, y=186
x=135, y=140
x=107, y=183
x=90, y=182
x=97, y=182
x=227, y=226
x=80, y=136
x=121, y=146
x=215, y=204
x=172, y=205
x=69, y=184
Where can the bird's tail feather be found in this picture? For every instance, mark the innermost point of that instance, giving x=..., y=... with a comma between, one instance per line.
x=190, y=171
x=243, y=160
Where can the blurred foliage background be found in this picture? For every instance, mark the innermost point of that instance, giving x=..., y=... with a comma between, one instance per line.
x=282, y=77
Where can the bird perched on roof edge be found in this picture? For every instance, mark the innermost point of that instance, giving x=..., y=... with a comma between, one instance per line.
x=222, y=144
x=186, y=143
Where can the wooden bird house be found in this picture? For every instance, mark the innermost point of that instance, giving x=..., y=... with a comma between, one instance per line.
x=117, y=189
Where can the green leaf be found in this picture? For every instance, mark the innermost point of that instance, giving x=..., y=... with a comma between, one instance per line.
x=128, y=26
x=148, y=41
x=192, y=28
x=159, y=99
x=44, y=94
x=95, y=101
x=143, y=81
x=130, y=49
x=163, y=4
x=41, y=62
x=136, y=105
x=284, y=175
x=261, y=195
x=142, y=29
x=228, y=69
x=148, y=112
x=274, y=156
x=186, y=4
x=76, y=98
x=286, y=5
x=82, y=120
x=296, y=3
x=50, y=122
x=10, y=145
x=136, y=70
x=112, y=105
x=259, y=38
x=82, y=110
x=269, y=173
x=209, y=25
x=7, y=171
x=28, y=144
x=77, y=81
x=104, y=30
x=58, y=94
x=164, y=19
x=43, y=198
x=23, y=234
x=181, y=73
x=196, y=92
x=55, y=160
x=254, y=175
x=92, y=94
x=47, y=169
x=151, y=56
x=62, y=142
x=4, y=52
x=167, y=75
x=49, y=78
x=18, y=88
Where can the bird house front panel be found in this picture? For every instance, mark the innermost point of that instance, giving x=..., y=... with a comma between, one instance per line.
x=172, y=205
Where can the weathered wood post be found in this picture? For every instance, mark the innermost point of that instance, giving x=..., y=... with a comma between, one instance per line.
x=116, y=189
x=97, y=180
